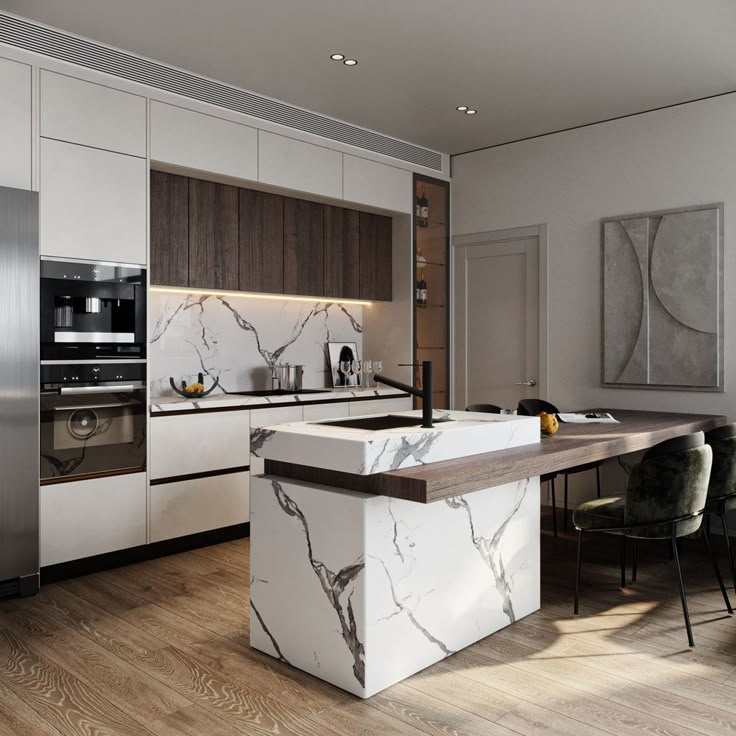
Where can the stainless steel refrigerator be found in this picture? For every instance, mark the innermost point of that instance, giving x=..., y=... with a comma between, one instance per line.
x=19, y=391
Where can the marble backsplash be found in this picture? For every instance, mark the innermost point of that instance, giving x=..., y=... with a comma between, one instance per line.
x=238, y=339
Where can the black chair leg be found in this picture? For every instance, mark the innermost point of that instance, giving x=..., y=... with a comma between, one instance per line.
x=634, y=559
x=554, y=506
x=683, y=595
x=577, y=570
x=564, y=519
x=598, y=480
x=717, y=571
x=623, y=562
x=729, y=552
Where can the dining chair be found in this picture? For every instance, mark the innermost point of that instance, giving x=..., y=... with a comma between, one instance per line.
x=722, y=486
x=665, y=499
x=533, y=407
x=547, y=478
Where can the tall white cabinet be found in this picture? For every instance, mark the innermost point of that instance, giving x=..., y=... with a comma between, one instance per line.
x=15, y=124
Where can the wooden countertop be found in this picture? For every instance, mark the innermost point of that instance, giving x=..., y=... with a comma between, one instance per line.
x=574, y=444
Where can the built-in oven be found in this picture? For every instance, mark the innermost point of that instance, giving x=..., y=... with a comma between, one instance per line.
x=93, y=420
x=92, y=310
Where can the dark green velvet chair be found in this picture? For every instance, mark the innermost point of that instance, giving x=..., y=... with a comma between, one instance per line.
x=722, y=486
x=533, y=407
x=665, y=499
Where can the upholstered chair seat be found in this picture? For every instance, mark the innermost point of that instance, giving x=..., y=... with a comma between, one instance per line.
x=600, y=513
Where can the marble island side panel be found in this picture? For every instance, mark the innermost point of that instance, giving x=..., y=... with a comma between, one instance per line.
x=362, y=591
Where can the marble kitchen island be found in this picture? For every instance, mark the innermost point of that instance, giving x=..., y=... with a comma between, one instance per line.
x=363, y=590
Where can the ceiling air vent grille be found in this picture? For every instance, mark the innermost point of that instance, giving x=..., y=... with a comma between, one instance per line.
x=56, y=44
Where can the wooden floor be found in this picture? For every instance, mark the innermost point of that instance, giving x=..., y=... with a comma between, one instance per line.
x=162, y=648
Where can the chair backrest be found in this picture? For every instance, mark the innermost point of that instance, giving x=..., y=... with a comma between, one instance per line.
x=670, y=482
x=533, y=407
x=484, y=408
x=722, y=441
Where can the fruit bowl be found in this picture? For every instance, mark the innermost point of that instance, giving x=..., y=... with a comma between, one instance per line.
x=194, y=390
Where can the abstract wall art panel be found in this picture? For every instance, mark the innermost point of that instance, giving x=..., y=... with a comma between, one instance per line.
x=663, y=299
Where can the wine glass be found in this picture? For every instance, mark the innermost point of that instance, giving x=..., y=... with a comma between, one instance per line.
x=368, y=372
x=345, y=366
x=357, y=366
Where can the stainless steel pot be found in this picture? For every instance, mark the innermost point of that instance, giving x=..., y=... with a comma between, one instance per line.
x=290, y=377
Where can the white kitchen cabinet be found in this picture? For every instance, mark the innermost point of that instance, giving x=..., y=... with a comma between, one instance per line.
x=318, y=412
x=376, y=184
x=90, y=517
x=264, y=418
x=197, y=141
x=199, y=443
x=201, y=504
x=92, y=203
x=380, y=406
x=15, y=124
x=304, y=167
x=91, y=114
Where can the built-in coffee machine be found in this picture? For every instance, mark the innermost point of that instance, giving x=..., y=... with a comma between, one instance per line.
x=92, y=311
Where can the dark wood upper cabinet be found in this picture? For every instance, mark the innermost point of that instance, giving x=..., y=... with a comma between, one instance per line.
x=261, y=243
x=341, y=253
x=303, y=247
x=213, y=235
x=169, y=229
x=376, y=256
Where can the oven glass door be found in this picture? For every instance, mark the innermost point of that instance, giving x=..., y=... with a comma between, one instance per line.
x=97, y=432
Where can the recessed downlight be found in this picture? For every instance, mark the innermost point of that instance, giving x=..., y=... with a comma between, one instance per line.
x=461, y=108
x=337, y=57
x=471, y=112
x=350, y=62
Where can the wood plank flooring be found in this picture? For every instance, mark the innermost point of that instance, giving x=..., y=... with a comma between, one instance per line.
x=161, y=648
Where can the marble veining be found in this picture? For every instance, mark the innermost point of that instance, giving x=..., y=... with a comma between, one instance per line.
x=238, y=341
x=366, y=452
x=363, y=591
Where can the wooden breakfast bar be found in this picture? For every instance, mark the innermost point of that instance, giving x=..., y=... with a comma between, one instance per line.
x=380, y=546
x=574, y=444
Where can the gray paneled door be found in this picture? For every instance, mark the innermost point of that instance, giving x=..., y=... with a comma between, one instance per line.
x=496, y=320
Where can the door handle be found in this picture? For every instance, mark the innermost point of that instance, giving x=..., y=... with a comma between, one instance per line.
x=526, y=383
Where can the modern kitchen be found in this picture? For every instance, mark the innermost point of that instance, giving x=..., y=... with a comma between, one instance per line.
x=279, y=452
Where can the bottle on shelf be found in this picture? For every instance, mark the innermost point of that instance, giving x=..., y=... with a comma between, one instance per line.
x=423, y=202
x=418, y=209
x=421, y=282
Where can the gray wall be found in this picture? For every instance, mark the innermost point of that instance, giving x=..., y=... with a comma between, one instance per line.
x=670, y=158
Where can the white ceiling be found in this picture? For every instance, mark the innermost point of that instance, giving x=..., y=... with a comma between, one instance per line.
x=529, y=66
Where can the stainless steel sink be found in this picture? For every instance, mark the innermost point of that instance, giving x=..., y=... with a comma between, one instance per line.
x=280, y=392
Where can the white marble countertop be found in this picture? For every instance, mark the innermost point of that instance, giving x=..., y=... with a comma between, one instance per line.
x=365, y=452
x=221, y=400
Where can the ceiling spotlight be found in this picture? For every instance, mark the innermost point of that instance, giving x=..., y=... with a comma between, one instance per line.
x=471, y=112
x=337, y=57
x=350, y=62
x=461, y=108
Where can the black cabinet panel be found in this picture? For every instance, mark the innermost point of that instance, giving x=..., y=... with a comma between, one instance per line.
x=213, y=235
x=261, y=243
x=303, y=247
x=169, y=229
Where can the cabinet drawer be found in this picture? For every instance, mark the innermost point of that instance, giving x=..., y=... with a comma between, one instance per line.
x=198, y=141
x=15, y=114
x=380, y=406
x=93, y=204
x=90, y=517
x=376, y=184
x=317, y=412
x=91, y=114
x=198, y=443
x=304, y=167
x=190, y=506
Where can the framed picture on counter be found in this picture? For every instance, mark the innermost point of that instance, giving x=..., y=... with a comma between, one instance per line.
x=344, y=363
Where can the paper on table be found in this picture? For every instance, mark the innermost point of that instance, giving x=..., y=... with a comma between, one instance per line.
x=589, y=418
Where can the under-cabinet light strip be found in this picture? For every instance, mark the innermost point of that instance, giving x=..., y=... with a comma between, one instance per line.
x=257, y=295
